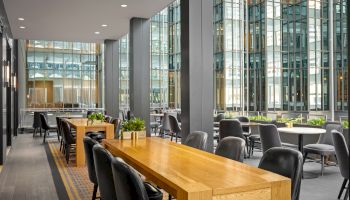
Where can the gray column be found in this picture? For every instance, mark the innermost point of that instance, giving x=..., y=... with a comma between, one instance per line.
x=139, y=41
x=197, y=68
x=331, y=62
x=111, y=79
x=21, y=76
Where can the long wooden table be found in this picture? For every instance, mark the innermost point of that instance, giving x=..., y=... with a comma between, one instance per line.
x=191, y=174
x=82, y=128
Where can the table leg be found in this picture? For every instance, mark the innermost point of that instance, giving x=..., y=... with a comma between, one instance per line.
x=80, y=156
x=300, y=143
x=110, y=132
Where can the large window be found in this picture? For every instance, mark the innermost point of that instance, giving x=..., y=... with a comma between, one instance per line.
x=62, y=74
x=124, y=73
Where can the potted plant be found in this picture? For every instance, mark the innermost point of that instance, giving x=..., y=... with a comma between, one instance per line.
x=260, y=119
x=133, y=129
x=94, y=117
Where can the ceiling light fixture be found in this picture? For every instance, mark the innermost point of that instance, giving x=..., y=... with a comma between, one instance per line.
x=22, y=27
x=124, y=5
x=21, y=19
x=104, y=25
x=97, y=32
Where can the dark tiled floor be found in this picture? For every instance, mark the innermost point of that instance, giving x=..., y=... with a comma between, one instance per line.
x=26, y=174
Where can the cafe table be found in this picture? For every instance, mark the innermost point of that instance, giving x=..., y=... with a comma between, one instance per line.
x=191, y=174
x=301, y=131
x=82, y=127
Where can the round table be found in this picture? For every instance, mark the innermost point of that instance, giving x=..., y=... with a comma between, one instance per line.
x=301, y=131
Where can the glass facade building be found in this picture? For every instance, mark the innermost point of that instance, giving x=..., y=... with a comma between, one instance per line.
x=62, y=74
x=124, y=102
x=273, y=55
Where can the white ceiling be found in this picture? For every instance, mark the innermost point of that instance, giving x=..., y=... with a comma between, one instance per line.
x=77, y=20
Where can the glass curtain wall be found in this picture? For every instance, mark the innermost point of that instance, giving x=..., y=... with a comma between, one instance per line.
x=62, y=74
x=124, y=102
x=340, y=55
x=288, y=55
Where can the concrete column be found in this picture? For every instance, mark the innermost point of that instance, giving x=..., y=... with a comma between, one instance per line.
x=21, y=76
x=139, y=41
x=111, y=77
x=331, y=62
x=197, y=68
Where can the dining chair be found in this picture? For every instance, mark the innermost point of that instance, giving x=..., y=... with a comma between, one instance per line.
x=44, y=125
x=198, y=140
x=165, y=124
x=69, y=140
x=174, y=128
x=129, y=185
x=230, y=127
x=117, y=126
x=37, y=122
x=89, y=158
x=246, y=130
x=219, y=117
x=102, y=161
x=286, y=162
x=269, y=137
x=254, y=138
x=324, y=146
x=232, y=148
x=342, y=153
x=108, y=119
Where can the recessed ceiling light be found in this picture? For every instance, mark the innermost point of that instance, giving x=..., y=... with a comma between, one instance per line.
x=21, y=19
x=97, y=32
x=104, y=25
x=124, y=5
x=22, y=27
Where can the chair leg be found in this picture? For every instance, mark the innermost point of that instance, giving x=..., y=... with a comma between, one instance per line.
x=252, y=145
x=94, y=192
x=322, y=164
x=34, y=133
x=44, y=140
x=67, y=153
x=342, y=188
x=176, y=137
x=171, y=139
x=305, y=155
x=347, y=193
x=40, y=132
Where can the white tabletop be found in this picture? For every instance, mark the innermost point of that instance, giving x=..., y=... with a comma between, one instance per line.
x=302, y=130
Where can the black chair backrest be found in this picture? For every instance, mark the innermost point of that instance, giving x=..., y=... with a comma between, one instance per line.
x=129, y=115
x=174, y=124
x=198, y=140
x=68, y=137
x=286, y=162
x=89, y=157
x=230, y=127
x=166, y=121
x=117, y=126
x=103, y=160
x=44, y=123
x=37, y=119
x=269, y=137
x=178, y=116
x=244, y=119
x=342, y=152
x=128, y=184
x=58, y=126
x=231, y=147
x=219, y=117
x=108, y=119
x=326, y=138
x=89, y=112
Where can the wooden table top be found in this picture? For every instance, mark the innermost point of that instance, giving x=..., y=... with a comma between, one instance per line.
x=82, y=122
x=302, y=130
x=187, y=168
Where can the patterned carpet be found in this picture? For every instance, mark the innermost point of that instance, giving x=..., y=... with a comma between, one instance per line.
x=71, y=182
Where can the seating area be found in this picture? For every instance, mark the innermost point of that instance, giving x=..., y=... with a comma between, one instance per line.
x=174, y=99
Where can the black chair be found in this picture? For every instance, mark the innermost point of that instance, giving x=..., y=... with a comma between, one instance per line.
x=254, y=138
x=117, y=126
x=324, y=146
x=246, y=130
x=59, y=131
x=129, y=185
x=37, y=122
x=174, y=128
x=198, y=140
x=286, y=162
x=89, y=112
x=230, y=127
x=165, y=124
x=44, y=125
x=342, y=152
x=89, y=158
x=69, y=140
x=108, y=119
x=232, y=148
x=219, y=117
x=269, y=137
x=103, y=160
x=129, y=115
